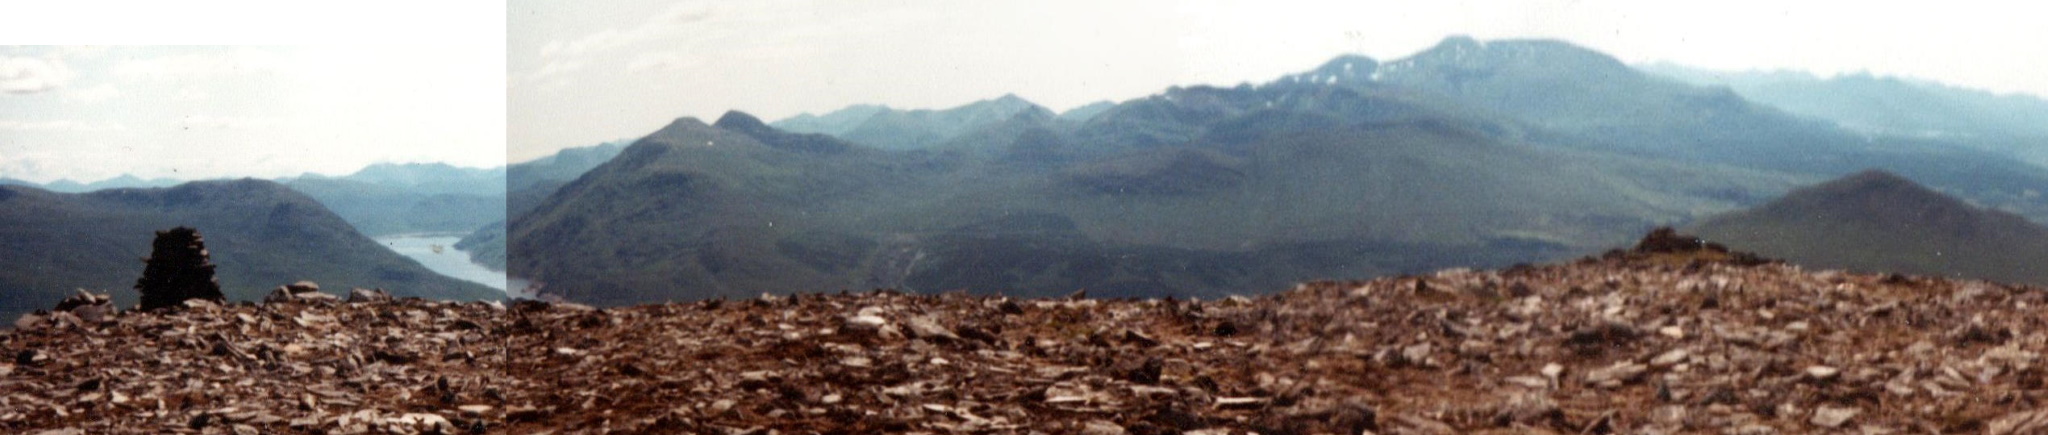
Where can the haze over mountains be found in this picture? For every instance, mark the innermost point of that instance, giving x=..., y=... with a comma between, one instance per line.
x=884, y=128
x=380, y=199
x=69, y=186
x=2015, y=124
x=1468, y=154
x=384, y=199
x=261, y=235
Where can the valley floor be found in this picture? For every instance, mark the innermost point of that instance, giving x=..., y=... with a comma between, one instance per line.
x=1614, y=345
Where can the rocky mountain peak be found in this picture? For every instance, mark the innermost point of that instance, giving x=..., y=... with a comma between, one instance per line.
x=1877, y=195
x=1465, y=53
x=741, y=122
x=1350, y=69
x=686, y=124
x=1874, y=180
x=1880, y=221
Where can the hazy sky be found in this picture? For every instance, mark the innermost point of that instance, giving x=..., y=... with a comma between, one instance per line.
x=351, y=88
x=585, y=72
x=338, y=85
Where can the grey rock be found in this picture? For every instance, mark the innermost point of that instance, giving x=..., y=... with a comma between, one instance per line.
x=1833, y=417
x=360, y=295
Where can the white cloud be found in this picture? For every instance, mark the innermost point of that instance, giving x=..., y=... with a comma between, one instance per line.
x=191, y=93
x=554, y=68
x=225, y=122
x=674, y=20
x=26, y=75
x=239, y=61
x=58, y=126
x=660, y=61
x=94, y=94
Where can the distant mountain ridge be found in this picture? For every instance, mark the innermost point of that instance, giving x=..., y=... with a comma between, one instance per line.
x=386, y=198
x=261, y=235
x=69, y=186
x=2016, y=123
x=1086, y=111
x=566, y=164
x=885, y=128
x=1875, y=221
x=429, y=178
x=1568, y=96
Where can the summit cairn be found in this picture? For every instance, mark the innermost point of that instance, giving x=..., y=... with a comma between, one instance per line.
x=1667, y=245
x=177, y=269
x=1667, y=240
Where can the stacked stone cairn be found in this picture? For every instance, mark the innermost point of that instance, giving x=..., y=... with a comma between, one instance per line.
x=177, y=269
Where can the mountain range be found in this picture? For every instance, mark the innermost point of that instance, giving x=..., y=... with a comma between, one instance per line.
x=261, y=235
x=1266, y=185
x=1553, y=93
x=69, y=186
x=1584, y=99
x=1467, y=154
x=1879, y=105
x=1878, y=222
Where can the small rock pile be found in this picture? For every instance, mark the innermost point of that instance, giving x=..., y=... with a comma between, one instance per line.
x=1642, y=344
x=308, y=291
x=84, y=308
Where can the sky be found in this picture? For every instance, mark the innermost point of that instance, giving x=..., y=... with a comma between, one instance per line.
x=581, y=73
x=259, y=99
x=282, y=88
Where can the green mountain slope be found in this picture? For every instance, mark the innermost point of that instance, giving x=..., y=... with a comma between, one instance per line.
x=562, y=166
x=1879, y=222
x=526, y=184
x=261, y=235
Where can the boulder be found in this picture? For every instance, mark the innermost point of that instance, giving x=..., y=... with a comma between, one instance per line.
x=82, y=298
x=368, y=295
x=88, y=306
x=302, y=291
x=278, y=295
x=31, y=321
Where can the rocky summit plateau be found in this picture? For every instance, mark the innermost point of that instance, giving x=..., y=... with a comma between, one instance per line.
x=1674, y=336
